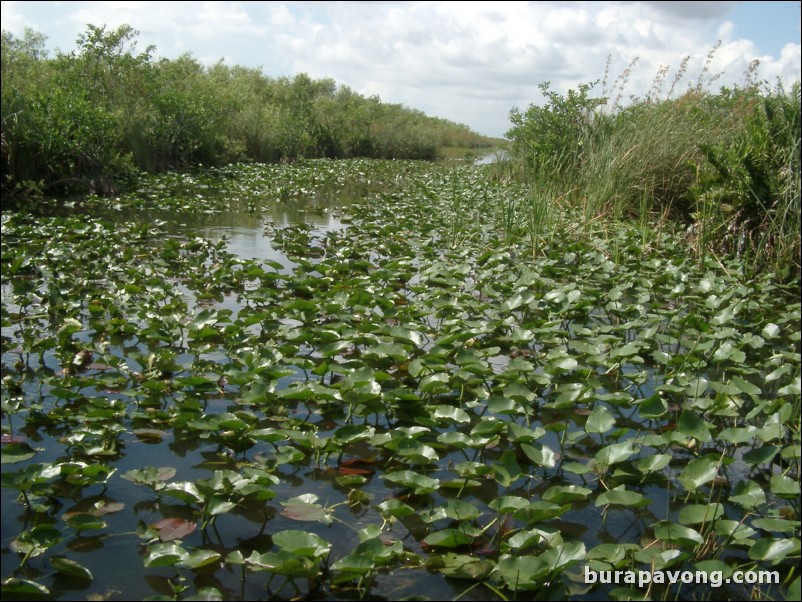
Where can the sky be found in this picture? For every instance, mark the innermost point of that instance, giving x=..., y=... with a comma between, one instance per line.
x=470, y=62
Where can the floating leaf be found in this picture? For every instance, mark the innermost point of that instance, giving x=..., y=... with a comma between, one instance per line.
x=419, y=483
x=302, y=543
x=677, y=534
x=698, y=472
x=447, y=538
x=562, y=494
x=70, y=568
x=600, y=420
x=174, y=528
x=695, y=514
x=619, y=496
x=769, y=549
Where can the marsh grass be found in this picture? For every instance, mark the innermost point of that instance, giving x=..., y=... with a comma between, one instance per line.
x=725, y=164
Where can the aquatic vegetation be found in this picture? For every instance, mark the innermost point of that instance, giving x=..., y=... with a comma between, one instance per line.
x=413, y=403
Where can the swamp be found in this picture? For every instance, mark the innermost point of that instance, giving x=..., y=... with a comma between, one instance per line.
x=334, y=380
x=265, y=339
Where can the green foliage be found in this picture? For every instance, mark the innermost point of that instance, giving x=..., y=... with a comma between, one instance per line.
x=725, y=164
x=83, y=120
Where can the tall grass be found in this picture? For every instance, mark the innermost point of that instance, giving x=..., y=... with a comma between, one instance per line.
x=724, y=165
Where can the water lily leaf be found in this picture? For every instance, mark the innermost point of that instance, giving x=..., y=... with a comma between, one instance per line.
x=435, y=384
x=784, y=486
x=600, y=420
x=761, y=455
x=611, y=553
x=794, y=388
x=745, y=386
x=736, y=435
x=461, y=510
x=200, y=558
x=451, y=414
x=406, y=335
x=771, y=331
x=302, y=543
x=524, y=539
x=769, y=549
x=677, y=534
x=508, y=503
x=284, y=563
x=521, y=434
x=417, y=452
x=165, y=554
x=420, y=484
x=693, y=425
x=352, y=566
x=748, y=494
x=652, y=463
x=447, y=538
x=507, y=470
x=695, y=514
x=563, y=555
x=185, y=491
x=458, y=566
x=614, y=453
x=619, y=496
x=777, y=525
x=396, y=508
x=659, y=558
x=85, y=522
x=540, y=511
x=11, y=453
x=16, y=589
x=300, y=511
x=70, y=568
x=455, y=439
x=174, y=528
x=561, y=494
x=726, y=351
x=541, y=455
x=523, y=572
x=382, y=351
x=698, y=472
x=653, y=406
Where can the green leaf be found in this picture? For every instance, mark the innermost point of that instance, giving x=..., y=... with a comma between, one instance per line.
x=769, y=549
x=200, y=558
x=447, y=538
x=562, y=494
x=11, y=453
x=419, y=483
x=653, y=406
x=652, y=463
x=68, y=567
x=698, y=472
x=748, y=494
x=302, y=543
x=693, y=425
x=761, y=455
x=523, y=572
x=619, y=496
x=784, y=486
x=165, y=554
x=695, y=514
x=16, y=589
x=677, y=534
x=600, y=420
x=458, y=566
